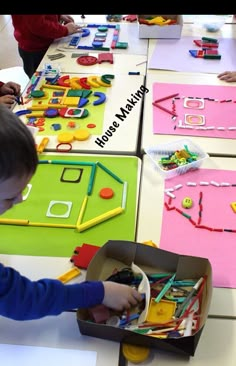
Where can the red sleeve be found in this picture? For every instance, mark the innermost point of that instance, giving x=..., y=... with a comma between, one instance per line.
x=45, y=26
x=1, y=84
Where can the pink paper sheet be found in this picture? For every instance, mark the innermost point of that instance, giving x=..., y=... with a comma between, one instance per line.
x=181, y=236
x=173, y=54
x=217, y=114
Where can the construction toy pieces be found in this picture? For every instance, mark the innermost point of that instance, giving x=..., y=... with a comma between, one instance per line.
x=209, y=49
x=92, y=60
x=170, y=307
x=64, y=96
x=177, y=158
x=114, y=17
x=99, y=38
x=159, y=20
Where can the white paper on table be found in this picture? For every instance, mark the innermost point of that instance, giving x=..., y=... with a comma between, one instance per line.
x=40, y=356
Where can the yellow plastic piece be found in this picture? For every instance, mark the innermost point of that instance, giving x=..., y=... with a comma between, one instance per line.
x=161, y=312
x=81, y=213
x=35, y=114
x=150, y=243
x=81, y=135
x=44, y=107
x=135, y=354
x=233, y=205
x=65, y=138
x=69, y=275
x=42, y=145
x=101, y=218
x=58, y=87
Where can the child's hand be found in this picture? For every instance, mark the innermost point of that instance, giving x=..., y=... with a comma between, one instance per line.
x=8, y=100
x=228, y=76
x=72, y=27
x=66, y=19
x=10, y=88
x=119, y=297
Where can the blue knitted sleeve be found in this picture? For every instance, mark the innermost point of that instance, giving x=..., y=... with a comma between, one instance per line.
x=23, y=299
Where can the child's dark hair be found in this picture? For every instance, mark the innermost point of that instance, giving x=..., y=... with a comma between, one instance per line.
x=18, y=155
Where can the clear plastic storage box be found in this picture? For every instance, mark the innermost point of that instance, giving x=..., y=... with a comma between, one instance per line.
x=156, y=153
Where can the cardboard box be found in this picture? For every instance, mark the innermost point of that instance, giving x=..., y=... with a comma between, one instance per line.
x=161, y=31
x=121, y=254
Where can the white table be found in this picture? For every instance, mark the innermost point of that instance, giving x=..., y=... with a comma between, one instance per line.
x=122, y=63
x=150, y=219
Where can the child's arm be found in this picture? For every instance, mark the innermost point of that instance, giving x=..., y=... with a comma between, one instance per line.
x=23, y=299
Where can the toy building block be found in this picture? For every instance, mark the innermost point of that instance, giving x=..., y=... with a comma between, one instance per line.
x=99, y=313
x=83, y=255
x=130, y=18
x=69, y=275
x=74, y=41
x=105, y=57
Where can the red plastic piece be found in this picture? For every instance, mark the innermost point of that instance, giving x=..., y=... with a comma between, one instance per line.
x=83, y=255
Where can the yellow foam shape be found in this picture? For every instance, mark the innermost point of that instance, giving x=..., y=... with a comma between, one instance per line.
x=92, y=80
x=65, y=138
x=81, y=135
x=97, y=220
x=102, y=83
x=74, y=83
x=71, y=101
x=159, y=21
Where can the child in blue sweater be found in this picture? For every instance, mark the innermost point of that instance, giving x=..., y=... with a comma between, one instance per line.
x=21, y=298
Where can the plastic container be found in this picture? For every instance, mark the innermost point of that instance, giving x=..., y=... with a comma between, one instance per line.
x=212, y=23
x=155, y=153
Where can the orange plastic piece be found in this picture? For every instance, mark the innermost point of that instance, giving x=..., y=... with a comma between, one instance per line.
x=106, y=193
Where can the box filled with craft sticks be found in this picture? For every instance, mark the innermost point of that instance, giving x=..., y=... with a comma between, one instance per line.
x=160, y=26
x=176, y=289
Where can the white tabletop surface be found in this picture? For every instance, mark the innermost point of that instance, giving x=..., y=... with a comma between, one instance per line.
x=122, y=63
x=219, y=146
x=150, y=221
x=125, y=139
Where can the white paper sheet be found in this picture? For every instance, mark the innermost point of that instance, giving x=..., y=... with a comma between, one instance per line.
x=40, y=356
